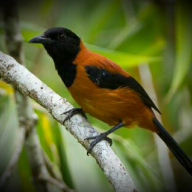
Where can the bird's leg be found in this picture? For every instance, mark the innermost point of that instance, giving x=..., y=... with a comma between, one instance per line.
x=73, y=112
x=102, y=136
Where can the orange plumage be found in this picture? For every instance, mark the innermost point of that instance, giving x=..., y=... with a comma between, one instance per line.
x=103, y=89
x=110, y=106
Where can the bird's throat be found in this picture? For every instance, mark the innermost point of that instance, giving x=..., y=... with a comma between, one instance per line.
x=67, y=71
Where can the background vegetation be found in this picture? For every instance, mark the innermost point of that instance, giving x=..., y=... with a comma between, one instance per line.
x=145, y=38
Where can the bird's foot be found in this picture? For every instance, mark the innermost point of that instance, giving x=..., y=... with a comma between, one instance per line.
x=96, y=140
x=73, y=112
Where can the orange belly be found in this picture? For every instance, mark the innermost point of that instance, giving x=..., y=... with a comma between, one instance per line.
x=111, y=106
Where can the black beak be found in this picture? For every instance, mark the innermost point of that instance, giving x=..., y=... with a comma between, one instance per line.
x=41, y=39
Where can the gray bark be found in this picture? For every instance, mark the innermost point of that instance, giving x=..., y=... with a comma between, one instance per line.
x=28, y=84
x=27, y=119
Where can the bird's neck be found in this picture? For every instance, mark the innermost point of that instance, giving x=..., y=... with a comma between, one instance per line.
x=82, y=55
x=66, y=65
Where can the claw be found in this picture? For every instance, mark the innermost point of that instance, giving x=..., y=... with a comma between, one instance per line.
x=73, y=112
x=102, y=136
x=109, y=140
x=90, y=148
x=96, y=140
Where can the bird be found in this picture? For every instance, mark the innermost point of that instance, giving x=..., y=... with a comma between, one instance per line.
x=103, y=89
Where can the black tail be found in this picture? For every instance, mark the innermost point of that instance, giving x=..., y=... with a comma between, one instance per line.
x=174, y=147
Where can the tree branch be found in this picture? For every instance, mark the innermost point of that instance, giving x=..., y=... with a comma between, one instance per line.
x=26, y=116
x=27, y=83
x=52, y=168
x=14, y=159
x=61, y=185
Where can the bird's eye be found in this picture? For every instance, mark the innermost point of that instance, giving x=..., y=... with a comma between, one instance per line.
x=61, y=37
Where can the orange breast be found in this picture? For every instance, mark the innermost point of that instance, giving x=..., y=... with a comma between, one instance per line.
x=110, y=106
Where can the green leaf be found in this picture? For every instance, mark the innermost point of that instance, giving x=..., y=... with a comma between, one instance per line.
x=24, y=172
x=122, y=58
x=8, y=130
x=29, y=30
x=183, y=47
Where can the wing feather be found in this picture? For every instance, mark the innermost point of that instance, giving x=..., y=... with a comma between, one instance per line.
x=104, y=78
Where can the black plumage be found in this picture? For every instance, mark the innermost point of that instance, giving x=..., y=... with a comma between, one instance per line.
x=108, y=80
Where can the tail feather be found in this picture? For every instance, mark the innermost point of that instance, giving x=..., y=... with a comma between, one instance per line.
x=174, y=147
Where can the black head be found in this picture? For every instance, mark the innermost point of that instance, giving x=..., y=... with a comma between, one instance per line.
x=60, y=43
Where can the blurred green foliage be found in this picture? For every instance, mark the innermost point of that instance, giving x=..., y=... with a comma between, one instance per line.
x=132, y=33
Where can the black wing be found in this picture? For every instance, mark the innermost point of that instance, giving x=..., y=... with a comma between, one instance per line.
x=108, y=80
